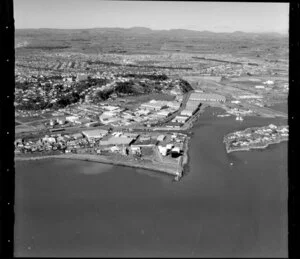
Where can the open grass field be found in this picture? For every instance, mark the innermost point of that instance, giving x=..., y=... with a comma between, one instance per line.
x=37, y=123
x=28, y=119
x=22, y=128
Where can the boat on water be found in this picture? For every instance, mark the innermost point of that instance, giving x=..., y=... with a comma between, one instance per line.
x=239, y=118
x=176, y=178
x=223, y=115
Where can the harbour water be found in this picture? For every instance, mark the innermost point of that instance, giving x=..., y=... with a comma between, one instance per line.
x=76, y=208
x=282, y=107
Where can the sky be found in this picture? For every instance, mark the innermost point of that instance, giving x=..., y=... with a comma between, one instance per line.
x=211, y=16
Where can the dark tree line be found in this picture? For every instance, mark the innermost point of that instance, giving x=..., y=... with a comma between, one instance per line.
x=142, y=76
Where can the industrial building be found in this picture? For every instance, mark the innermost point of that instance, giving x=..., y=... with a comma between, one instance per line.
x=108, y=117
x=158, y=105
x=135, y=150
x=72, y=118
x=180, y=119
x=250, y=96
x=175, y=151
x=142, y=112
x=130, y=135
x=81, y=77
x=94, y=134
x=161, y=137
x=193, y=103
x=112, y=108
x=174, y=105
x=169, y=146
x=61, y=121
x=149, y=142
x=82, y=121
x=162, y=150
x=77, y=136
x=92, y=124
x=164, y=113
x=117, y=141
x=153, y=105
x=268, y=82
x=188, y=112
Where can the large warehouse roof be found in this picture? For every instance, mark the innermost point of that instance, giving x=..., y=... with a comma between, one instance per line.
x=96, y=133
x=206, y=96
x=117, y=141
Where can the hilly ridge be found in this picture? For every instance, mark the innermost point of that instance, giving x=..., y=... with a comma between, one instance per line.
x=140, y=40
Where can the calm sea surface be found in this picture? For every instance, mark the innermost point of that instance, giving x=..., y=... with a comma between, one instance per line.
x=76, y=208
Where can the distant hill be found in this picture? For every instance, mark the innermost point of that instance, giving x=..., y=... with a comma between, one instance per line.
x=141, y=40
x=143, y=30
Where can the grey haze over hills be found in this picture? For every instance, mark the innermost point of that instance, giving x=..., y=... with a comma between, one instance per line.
x=141, y=40
x=148, y=31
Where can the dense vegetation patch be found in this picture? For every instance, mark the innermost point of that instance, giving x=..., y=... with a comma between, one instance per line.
x=156, y=77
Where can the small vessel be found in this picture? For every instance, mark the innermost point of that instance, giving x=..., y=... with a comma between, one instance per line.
x=177, y=178
x=239, y=118
x=223, y=115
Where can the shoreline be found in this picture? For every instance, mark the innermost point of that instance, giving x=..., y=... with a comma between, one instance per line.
x=254, y=147
x=156, y=167
x=95, y=158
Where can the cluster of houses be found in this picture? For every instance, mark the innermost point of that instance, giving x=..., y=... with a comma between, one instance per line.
x=258, y=136
x=25, y=113
x=50, y=62
x=66, y=65
x=41, y=88
x=44, y=87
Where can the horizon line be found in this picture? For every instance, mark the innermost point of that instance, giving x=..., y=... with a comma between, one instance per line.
x=91, y=28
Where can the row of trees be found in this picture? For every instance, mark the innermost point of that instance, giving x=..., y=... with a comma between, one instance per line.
x=155, y=77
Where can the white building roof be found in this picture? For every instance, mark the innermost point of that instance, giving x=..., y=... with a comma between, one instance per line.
x=187, y=112
x=110, y=107
x=169, y=146
x=206, y=96
x=176, y=149
x=161, y=137
x=97, y=133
